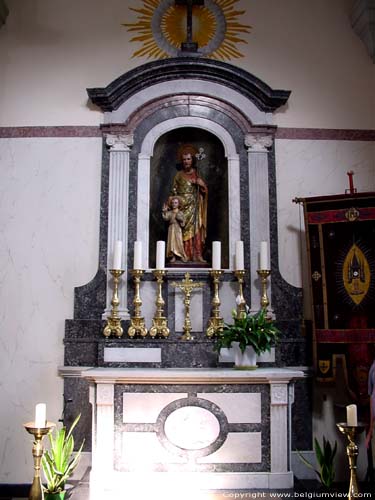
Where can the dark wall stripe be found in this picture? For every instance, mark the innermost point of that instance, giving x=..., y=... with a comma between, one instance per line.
x=325, y=134
x=65, y=131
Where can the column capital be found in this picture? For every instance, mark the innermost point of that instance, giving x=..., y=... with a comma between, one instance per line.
x=258, y=143
x=120, y=142
x=104, y=394
x=279, y=394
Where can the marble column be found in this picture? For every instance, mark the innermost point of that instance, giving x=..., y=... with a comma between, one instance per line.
x=279, y=427
x=257, y=150
x=118, y=208
x=102, y=401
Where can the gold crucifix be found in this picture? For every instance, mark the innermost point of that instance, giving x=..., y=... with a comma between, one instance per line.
x=187, y=285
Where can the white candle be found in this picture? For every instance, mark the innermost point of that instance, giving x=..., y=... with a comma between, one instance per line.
x=351, y=415
x=239, y=259
x=117, y=253
x=264, y=255
x=216, y=255
x=160, y=254
x=40, y=415
x=137, y=255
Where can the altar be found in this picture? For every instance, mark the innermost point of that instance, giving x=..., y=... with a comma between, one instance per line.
x=161, y=406
x=190, y=429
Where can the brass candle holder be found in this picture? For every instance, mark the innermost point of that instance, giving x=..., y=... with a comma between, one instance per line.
x=263, y=274
x=159, y=321
x=216, y=322
x=351, y=431
x=241, y=303
x=137, y=322
x=114, y=321
x=36, y=491
x=187, y=286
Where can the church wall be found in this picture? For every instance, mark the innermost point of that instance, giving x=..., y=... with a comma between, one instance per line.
x=312, y=168
x=49, y=221
x=50, y=53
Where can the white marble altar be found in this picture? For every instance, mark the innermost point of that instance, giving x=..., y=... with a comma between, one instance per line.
x=206, y=429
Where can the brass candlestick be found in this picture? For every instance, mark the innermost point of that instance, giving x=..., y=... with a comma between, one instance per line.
x=159, y=321
x=36, y=491
x=137, y=323
x=187, y=286
x=263, y=274
x=351, y=431
x=216, y=322
x=241, y=303
x=114, y=320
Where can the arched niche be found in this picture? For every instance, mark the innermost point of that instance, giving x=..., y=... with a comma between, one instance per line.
x=165, y=138
x=212, y=166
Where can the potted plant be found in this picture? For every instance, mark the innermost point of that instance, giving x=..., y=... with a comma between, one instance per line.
x=59, y=461
x=325, y=457
x=250, y=335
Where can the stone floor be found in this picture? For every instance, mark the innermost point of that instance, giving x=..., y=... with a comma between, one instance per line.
x=302, y=489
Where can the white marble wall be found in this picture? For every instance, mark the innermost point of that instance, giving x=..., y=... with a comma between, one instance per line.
x=48, y=245
x=313, y=168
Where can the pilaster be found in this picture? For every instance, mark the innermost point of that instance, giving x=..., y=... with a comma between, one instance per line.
x=118, y=210
x=279, y=427
x=257, y=150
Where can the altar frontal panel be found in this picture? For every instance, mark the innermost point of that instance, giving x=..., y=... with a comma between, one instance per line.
x=192, y=428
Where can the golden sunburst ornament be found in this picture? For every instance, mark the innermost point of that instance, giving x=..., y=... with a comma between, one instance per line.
x=162, y=27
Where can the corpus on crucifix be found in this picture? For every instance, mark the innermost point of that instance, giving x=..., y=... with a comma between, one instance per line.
x=189, y=45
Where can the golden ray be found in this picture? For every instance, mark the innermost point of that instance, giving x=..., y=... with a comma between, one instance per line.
x=173, y=29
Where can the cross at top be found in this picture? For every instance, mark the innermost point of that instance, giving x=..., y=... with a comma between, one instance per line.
x=189, y=45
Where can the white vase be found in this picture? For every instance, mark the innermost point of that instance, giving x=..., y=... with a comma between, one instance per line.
x=246, y=360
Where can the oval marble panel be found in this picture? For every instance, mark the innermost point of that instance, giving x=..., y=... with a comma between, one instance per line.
x=192, y=428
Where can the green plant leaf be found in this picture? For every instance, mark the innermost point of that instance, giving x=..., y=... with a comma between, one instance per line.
x=318, y=452
x=256, y=330
x=325, y=456
x=59, y=462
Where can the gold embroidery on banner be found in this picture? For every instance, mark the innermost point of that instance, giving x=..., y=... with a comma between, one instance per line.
x=316, y=276
x=324, y=365
x=356, y=274
x=352, y=214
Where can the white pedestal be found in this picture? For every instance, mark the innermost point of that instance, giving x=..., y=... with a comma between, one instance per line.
x=172, y=430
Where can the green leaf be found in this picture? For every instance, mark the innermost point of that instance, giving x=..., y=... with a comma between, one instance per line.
x=256, y=330
x=325, y=456
x=59, y=462
x=318, y=452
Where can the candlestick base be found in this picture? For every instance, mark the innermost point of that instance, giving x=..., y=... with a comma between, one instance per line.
x=351, y=431
x=114, y=321
x=215, y=326
x=137, y=327
x=36, y=491
x=113, y=326
x=159, y=327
